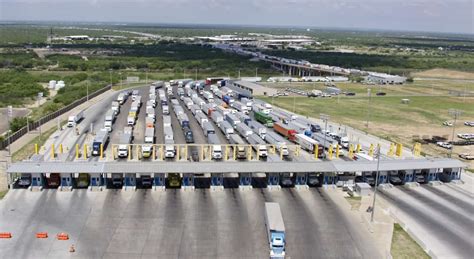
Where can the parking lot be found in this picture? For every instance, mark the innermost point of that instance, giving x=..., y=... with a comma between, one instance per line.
x=176, y=224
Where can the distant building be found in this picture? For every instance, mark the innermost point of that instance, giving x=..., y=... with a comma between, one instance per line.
x=382, y=78
x=250, y=89
x=77, y=37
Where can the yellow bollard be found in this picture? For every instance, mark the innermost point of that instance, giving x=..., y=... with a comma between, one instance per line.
x=52, y=151
x=273, y=149
x=351, y=151
x=249, y=153
x=137, y=154
x=36, y=148
x=399, y=150
x=391, y=150
x=153, y=152
x=316, y=151
x=330, y=152
x=371, y=150
x=129, y=153
x=258, y=154
x=186, y=152
x=281, y=154
x=61, y=148
x=235, y=152
x=84, y=155
x=417, y=149
x=359, y=147
x=177, y=153
x=337, y=150
x=209, y=149
x=226, y=152
x=161, y=152
x=101, y=154
x=202, y=152
x=114, y=151
x=77, y=151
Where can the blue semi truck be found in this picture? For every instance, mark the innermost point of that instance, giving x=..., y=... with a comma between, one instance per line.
x=275, y=230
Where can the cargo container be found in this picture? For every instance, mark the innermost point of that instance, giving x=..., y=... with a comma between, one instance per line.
x=101, y=138
x=216, y=148
x=244, y=130
x=149, y=135
x=226, y=128
x=222, y=110
x=278, y=141
x=306, y=142
x=166, y=121
x=183, y=120
x=168, y=133
x=208, y=96
x=240, y=150
x=284, y=130
x=188, y=102
x=275, y=230
x=178, y=110
x=201, y=118
x=150, y=113
x=74, y=119
x=195, y=109
x=217, y=118
x=263, y=118
x=232, y=119
x=301, y=129
x=258, y=145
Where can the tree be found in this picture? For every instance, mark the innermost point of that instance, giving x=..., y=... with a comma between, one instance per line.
x=17, y=123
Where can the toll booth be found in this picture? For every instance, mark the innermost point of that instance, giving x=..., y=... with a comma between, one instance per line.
x=37, y=180
x=96, y=180
x=430, y=174
x=158, y=181
x=407, y=176
x=273, y=180
x=329, y=178
x=217, y=179
x=301, y=179
x=129, y=180
x=450, y=174
x=66, y=180
x=187, y=181
x=245, y=180
x=383, y=177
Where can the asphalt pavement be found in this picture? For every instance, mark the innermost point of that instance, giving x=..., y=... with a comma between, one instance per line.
x=176, y=224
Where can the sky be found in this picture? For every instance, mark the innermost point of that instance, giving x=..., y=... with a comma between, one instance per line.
x=454, y=16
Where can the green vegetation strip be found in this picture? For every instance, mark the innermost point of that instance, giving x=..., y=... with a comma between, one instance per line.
x=403, y=246
x=29, y=149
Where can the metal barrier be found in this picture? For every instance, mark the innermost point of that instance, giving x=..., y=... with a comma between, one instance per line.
x=35, y=124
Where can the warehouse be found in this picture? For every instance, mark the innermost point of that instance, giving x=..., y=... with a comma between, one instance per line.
x=382, y=78
x=251, y=88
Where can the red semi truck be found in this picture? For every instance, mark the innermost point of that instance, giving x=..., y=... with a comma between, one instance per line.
x=285, y=130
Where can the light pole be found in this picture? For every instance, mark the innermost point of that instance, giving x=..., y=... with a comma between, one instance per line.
x=376, y=183
x=87, y=89
x=455, y=114
x=368, y=107
x=294, y=103
x=325, y=118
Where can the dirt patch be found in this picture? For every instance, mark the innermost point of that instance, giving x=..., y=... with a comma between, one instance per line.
x=444, y=73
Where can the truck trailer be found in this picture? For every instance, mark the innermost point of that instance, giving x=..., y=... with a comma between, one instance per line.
x=74, y=119
x=278, y=141
x=284, y=130
x=275, y=230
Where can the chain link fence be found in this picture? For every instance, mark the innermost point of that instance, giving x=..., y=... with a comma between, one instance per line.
x=35, y=124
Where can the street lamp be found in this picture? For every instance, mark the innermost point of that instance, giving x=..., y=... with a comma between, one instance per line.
x=325, y=118
x=376, y=183
x=368, y=107
x=455, y=114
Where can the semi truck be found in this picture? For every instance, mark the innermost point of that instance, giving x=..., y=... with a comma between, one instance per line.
x=242, y=117
x=284, y=130
x=237, y=140
x=217, y=118
x=263, y=118
x=74, y=119
x=232, y=119
x=101, y=138
x=228, y=100
x=166, y=121
x=168, y=132
x=244, y=130
x=208, y=96
x=188, y=134
x=275, y=230
x=216, y=148
x=240, y=107
x=122, y=98
x=258, y=145
x=258, y=128
x=183, y=120
x=170, y=151
x=207, y=128
x=201, y=118
x=226, y=128
x=149, y=141
x=116, y=107
x=306, y=142
x=278, y=141
x=125, y=140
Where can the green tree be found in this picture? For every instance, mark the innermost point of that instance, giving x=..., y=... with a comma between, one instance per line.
x=17, y=123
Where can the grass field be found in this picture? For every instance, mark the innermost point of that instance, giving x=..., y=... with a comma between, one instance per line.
x=29, y=149
x=404, y=247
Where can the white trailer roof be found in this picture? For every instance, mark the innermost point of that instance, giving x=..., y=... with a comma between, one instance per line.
x=275, y=220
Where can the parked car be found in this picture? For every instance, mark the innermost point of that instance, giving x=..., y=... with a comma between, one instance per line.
x=381, y=94
x=444, y=145
x=350, y=94
x=448, y=123
x=466, y=156
x=469, y=123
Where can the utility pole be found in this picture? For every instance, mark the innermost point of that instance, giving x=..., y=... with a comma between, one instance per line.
x=239, y=74
x=455, y=114
x=368, y=107
x=376, y=183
